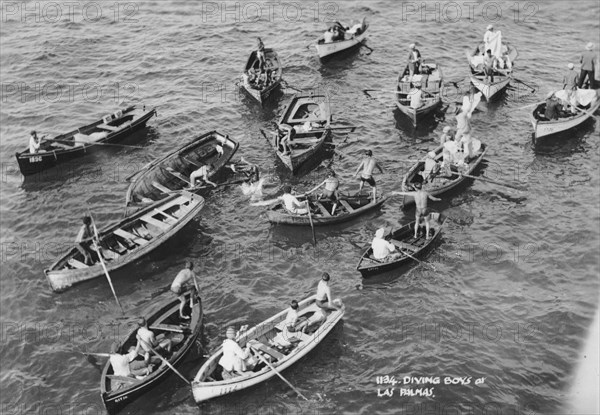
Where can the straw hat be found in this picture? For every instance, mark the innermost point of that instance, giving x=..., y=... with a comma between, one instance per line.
x=570, y=66
x=431, y=154
x=446, y=129
x=230, y=332
x=412, y=46
x=490, y=27
x=550, y=94
x=589, y=46
x=379, y=233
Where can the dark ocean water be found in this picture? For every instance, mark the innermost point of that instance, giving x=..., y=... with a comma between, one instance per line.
x=515, y=285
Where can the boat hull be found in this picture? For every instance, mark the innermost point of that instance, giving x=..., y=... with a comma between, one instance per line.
x=409, y=200
x=273, y=63
x=328, y=50
x=31, y=164
x=61, y=279
x=203, y=390
x=416, y=116
x=490, y=90
x=544, y=129
x=114, y=401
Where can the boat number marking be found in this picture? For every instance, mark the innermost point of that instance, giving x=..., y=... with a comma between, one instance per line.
x=35, y=159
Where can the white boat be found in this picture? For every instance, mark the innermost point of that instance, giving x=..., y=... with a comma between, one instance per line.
x=502, y=77
x=127, y=240
x=543, y=127
x=327, y=49
x=208, y=382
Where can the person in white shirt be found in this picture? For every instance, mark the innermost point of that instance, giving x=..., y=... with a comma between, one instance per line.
x=234, y=357
x=446, y=135
x=34, y=143
x=383, y=249
x=489, y=36
x=432, y=168
x=416, y=96
x=328, y=36
x=291, y=203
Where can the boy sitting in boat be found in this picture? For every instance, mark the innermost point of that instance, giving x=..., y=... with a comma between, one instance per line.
x=235, y=360
x=292, y=204
x=383, y=250
x=126, y=365
x=148, y=341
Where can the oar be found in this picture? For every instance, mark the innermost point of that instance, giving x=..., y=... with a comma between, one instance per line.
x=588, y=113
x=312, y=226
x=405, y=252
x=97, y=247
x=139, y=171
x=491, y=181
x=96, y=354
x=527, y=85
x=527, y=106
x=165, y=361
x=260, y=356
x=365, y=91
x=93, y=144
x=351, y=127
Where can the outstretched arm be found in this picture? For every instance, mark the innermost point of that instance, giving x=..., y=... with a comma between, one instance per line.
x=313, y=189
x=436, y=199
x=396, y=193
x=379, y=167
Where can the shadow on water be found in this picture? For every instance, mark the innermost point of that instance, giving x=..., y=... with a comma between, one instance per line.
x=422, y=132
x=567, y=142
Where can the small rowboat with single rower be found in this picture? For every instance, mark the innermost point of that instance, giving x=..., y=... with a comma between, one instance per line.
x=162, y=176
x=502, y=76
x=543, y=127
x=165, y=323
x=352, y=38
x=310, y=118
x=127, y=240
x=441, y=184
x=274, y=343
x=430, y=79
x=348, y=208
x=406, y=244
x=110, y=129
x=252, y=83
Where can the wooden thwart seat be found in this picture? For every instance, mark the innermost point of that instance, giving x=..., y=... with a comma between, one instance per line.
x=165, y=214
x=178, y=175
x=77, y=264
x=130, y=237
x=322, y=209
x=255, y=344
x=152, y=221
x=161, y=188
x=107, y=127
x=167, y=327
x=123, y=378
x=346, y=205
x=404, y=245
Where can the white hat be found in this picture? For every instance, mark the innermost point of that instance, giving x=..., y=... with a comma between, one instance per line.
x=412, y=46
x=589, y=46
x=490, y=27
x=446, y=129
x=550, y=94
x=431, y=154
x=570, y=66
x=379, y=233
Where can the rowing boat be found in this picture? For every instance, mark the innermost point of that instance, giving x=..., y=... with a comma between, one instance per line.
x=273, y=71
x=348, y=207
x=353, y=38
x=310, y=117
x=440, y=184
x=172, y=172
x=127, y=240
x=270, y=339
x=502, y=77
x=119, y=391
x=430, y=80
x=542, y=127
x=406, y=244
x=111, y=128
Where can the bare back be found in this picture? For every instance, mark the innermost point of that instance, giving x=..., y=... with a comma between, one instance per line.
x=421, y=197
x=369, y=164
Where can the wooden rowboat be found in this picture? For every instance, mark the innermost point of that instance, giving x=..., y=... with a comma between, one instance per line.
x=405, y=242
x=502, y=77
x=348, y=208
x=265, y=338
x=542, y=127
x=127, y=240
x=440, y=184
x=172, y=172
x=272, y=66
x=431, y=80
x=111, y=128
x=118, y=391
x=310, y=117
x=326, y=50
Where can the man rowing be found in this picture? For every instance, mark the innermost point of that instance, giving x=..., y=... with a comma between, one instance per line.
x=126, y=365
x=330, y=192
x=368, y=164
x=291, y=203
x=34, y=142
x=234, y=359
x=421, y=196
x=383, y=249
x=148, y=341
x=202, y=174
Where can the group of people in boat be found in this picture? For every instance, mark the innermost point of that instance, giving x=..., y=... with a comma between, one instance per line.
x=338, y=31
x=236, y=361
x=285, y=134
x=262, y=76
x=578, y=89
x=494, y=55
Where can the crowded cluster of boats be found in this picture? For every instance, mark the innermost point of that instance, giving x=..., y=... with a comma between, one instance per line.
x=170, y=191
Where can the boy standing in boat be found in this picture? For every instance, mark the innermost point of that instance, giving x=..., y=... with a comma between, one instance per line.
x=85, y=235
x=368, y=164
x=421, y=196
x=331, y=184
x=587, y=60
x=414, y=61
x=179, y=284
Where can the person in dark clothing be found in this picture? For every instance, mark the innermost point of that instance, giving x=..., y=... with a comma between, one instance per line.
x=552, y=107
x=587, y=60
